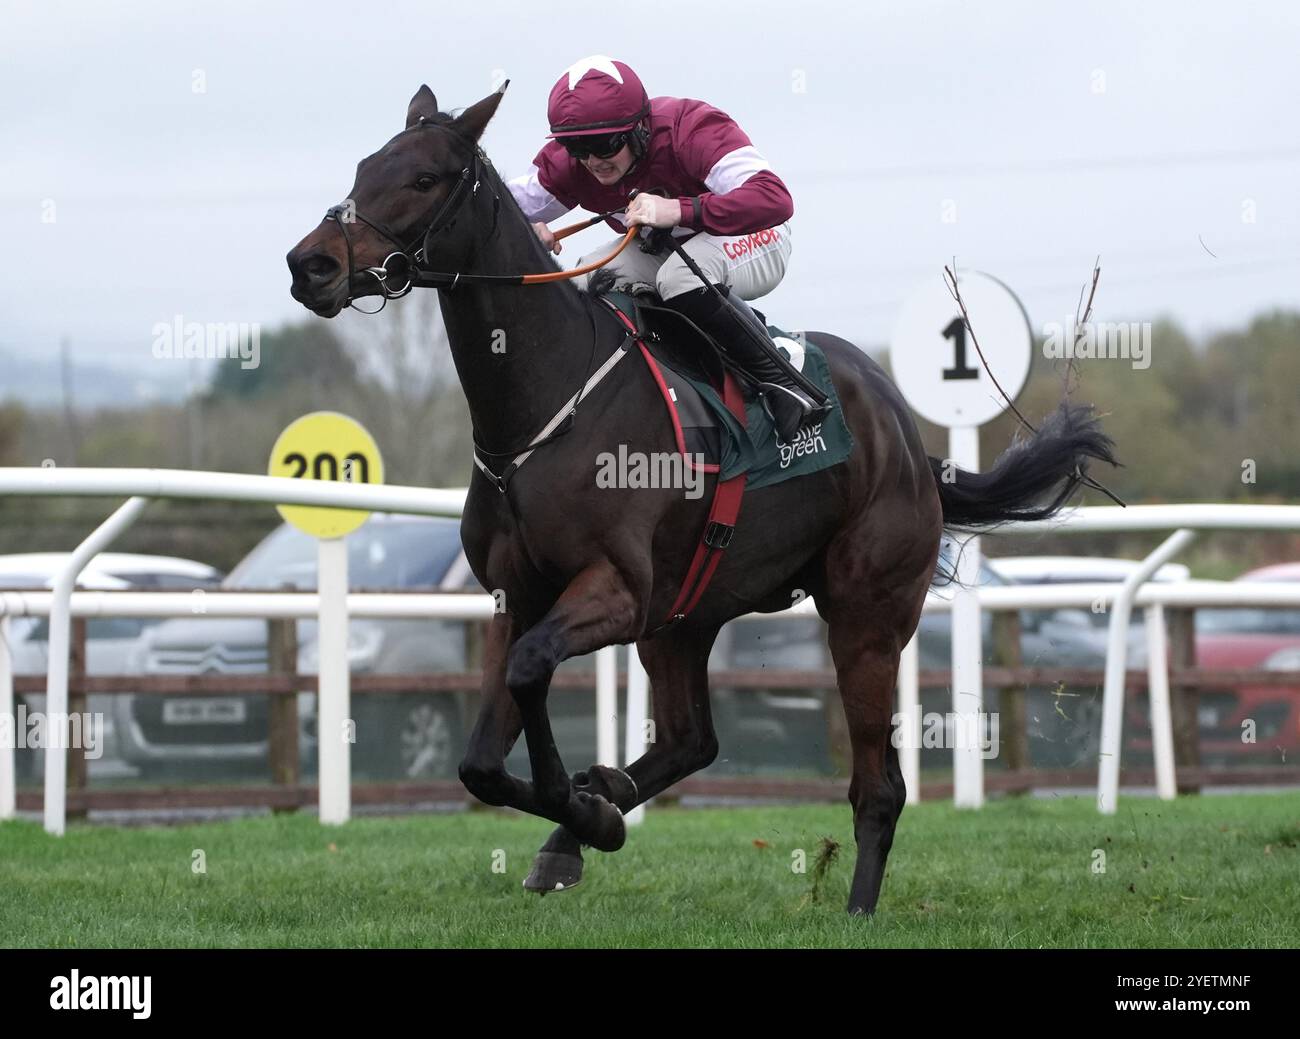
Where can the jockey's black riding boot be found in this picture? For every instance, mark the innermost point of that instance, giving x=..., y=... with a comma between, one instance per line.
x=793, y=400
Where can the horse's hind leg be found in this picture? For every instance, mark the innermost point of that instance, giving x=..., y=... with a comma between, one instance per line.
x=866, y=650
x=683, y=742
x=877, y=575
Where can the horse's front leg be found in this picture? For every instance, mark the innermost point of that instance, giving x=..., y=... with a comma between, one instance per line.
x=678, y=665
x=483, y=771
x=596, y=609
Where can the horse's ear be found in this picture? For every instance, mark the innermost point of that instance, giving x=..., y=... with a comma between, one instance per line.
x=423, y=106
x=473, y=121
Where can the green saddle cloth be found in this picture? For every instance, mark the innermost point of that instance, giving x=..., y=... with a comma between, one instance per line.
x=754, y=449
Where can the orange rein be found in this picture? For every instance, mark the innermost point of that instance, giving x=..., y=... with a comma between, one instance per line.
x=564, y=232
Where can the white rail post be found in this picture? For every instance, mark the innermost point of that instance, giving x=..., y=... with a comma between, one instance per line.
x=638, y=710
x=1162, y=725
x=909, y=707
x=8, y=793
x=1112, y=708
x=607, y=706
x=333, y=708
x=56, y=685
x=967, y=646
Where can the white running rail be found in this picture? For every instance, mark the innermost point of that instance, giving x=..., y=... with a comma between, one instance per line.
x=143, y=485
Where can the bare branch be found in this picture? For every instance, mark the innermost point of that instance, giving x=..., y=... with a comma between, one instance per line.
x=950, y=279
x=955, y=292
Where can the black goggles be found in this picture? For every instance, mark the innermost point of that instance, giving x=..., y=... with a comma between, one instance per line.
x=602, y=146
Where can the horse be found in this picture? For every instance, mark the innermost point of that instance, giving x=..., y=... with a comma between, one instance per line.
x=577, y=567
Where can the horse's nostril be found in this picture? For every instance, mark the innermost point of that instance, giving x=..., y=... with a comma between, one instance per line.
x=320, y=266
x=317, y=266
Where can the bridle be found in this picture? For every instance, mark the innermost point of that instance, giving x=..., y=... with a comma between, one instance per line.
x=411, y=256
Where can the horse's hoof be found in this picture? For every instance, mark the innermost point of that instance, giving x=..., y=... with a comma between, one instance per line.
x=553, y=871
x=613, y=784
x=603, y=828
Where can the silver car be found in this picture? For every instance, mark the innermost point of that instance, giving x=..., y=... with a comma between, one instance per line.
x=408, y=735
x=110, y=641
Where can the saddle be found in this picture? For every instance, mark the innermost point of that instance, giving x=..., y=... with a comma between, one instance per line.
x=693, y=372
x=672, y=337
x=682, y=358
x=718, y=427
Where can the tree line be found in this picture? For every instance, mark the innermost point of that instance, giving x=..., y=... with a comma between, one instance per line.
x=1215, y=420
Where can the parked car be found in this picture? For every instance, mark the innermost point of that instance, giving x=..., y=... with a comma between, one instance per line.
x=38, y=570
x=399, y=735
x=1067, y=623
x=109, y=640
x=1245, y=637
x=1069, y=720
x=1079, y=569
x=771, y=729
x=1060, y=720
x=787, y=729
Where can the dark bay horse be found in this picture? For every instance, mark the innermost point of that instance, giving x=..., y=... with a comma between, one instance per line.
x=582, y=566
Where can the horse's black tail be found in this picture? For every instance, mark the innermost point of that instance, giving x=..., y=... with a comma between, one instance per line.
x=1032, y=479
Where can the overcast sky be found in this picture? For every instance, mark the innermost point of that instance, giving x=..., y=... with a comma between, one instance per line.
x=1054, y=131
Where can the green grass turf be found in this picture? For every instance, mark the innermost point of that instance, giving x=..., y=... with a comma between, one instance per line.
x=1213, y=872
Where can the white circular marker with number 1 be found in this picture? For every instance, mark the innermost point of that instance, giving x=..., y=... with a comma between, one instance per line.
x=935, y=363
x=328, y=446
x=937, y=367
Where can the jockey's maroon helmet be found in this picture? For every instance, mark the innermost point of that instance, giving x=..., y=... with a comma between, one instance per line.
x=596, y=95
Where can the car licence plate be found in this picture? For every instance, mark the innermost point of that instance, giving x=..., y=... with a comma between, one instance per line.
x=229, y=711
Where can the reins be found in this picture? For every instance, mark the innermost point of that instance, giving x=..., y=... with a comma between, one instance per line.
x=416, y=275
x=410, y=270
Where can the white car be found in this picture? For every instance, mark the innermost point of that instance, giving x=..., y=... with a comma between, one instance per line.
x=1079, y=570
x=109, y=640
x=38, y=570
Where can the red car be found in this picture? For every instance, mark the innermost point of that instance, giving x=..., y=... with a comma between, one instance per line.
x=1244, y=637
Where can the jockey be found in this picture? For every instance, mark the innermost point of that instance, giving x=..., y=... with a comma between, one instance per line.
x=724, y=203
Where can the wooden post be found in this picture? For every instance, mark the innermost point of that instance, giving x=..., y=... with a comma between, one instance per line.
x=1013, y=729
x=1184, y=699
x=77, y=706
x=282, y=659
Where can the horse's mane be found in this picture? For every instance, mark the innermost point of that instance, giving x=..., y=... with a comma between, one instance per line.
x=510, y=211
x=538, y=259
x=509, y=208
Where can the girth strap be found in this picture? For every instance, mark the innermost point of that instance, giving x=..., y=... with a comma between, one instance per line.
x=719, y=528
x=723, y=511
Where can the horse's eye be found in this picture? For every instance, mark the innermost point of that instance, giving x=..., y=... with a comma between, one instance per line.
x=426, y=182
